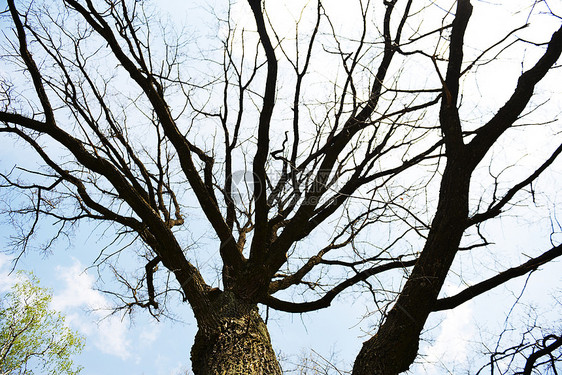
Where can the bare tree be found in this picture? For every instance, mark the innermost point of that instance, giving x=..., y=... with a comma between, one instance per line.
x=274, y=140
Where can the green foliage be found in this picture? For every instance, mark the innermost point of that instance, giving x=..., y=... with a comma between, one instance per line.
x=33, y=338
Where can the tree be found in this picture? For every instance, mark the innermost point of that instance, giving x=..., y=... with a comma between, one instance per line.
x=144, y=133
x=34, y=338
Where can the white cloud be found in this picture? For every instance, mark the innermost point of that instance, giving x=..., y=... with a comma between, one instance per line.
x=108, y=333
x=150, y=333
x=452, y=342
x=451, y=347
x=7, y=280
x=79, y=291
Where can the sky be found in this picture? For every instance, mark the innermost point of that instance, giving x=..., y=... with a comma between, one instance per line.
x=137, y=344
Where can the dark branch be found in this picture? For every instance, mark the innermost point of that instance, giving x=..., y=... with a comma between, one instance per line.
x=510, y=112
x=496, y=208
x=261, y=232
x=326, y=300
x=546, y=350
x=150, y=268
x=501, y=278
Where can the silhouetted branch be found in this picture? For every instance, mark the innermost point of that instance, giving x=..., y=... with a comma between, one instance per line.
x=500, y=279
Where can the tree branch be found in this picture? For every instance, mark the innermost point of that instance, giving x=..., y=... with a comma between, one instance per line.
x=486, y=285
x=547, y=349
x=496, y=209
x=260, y=244
x=230, y=253
x=326, y=300
x=449, y=113
x=512, y=109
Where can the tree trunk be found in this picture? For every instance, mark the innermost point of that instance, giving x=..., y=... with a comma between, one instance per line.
x=233, y=339
x=394, y=348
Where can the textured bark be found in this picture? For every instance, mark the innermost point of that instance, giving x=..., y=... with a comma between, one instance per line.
x=233, y=339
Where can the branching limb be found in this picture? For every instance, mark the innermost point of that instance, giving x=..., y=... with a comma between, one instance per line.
x=261, y=232
x=150, y=268
x=546, y=350
x=326, y=300
x=495, y=208
x=506, y=116
x=501, y=278
x=203, y=188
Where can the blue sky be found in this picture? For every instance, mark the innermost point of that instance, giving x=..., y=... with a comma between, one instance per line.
x=117, y=344
x=114, y=344
x=139, y=344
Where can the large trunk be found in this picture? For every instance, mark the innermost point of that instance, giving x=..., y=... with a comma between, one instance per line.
x=233, y=339
x=394, y=348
